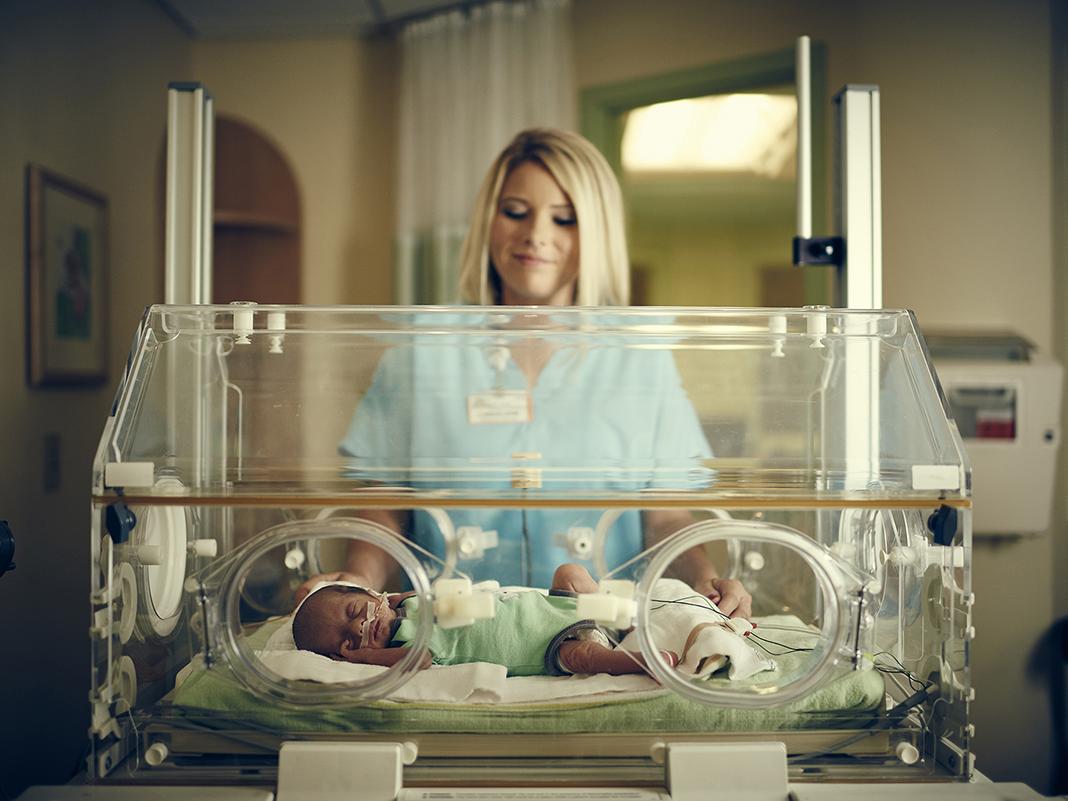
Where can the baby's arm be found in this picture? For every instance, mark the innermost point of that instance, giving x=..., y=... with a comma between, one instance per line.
x=586, y=656
x=385, y=657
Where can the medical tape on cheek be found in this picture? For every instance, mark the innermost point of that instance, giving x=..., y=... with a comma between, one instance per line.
x=373, y=611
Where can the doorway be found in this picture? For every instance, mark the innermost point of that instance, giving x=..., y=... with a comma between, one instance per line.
x=707, y=161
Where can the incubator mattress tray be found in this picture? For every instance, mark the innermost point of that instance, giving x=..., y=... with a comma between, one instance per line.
x=853, y=699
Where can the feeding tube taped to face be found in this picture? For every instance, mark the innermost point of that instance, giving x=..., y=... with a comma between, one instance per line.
x=372, y=612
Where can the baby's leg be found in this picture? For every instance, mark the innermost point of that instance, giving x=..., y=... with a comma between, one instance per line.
x=573, y=578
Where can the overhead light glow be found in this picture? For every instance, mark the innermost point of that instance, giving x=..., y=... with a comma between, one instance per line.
x=738, y=133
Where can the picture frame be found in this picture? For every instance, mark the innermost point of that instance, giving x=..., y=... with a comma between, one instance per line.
x=66, y=281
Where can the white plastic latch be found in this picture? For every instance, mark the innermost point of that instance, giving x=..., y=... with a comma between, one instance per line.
x=129, y=474
x=577, y=540
x=777, y=326
x=276, y=324
x=816, y=325
x=721, y=771
x=907, y=753
x=612, y=604
x=244, y=311
x=935, y=477
x=339, y=771
x=207, y=548
x=754, y=561
x=156, y=754
x=456, y=603
x=473, y=542
x=294, y=558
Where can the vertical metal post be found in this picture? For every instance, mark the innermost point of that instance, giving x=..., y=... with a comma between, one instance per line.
x=803, y=80
x=808, y=250
x=858, y=212
x=188, y=244
x=190, y=141
x=207, y=211
x=858, y=201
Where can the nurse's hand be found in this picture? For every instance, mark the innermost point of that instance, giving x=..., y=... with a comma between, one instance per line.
x=730, y=595
x=307, y=586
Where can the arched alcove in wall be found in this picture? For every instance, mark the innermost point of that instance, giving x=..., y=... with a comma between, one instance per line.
x=257, y=217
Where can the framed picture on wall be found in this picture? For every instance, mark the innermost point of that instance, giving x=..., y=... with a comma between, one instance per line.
x=66, y=281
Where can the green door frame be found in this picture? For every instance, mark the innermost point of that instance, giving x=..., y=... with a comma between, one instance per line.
x=603, y=108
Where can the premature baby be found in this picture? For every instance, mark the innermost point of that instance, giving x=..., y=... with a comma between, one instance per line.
x=530, y=633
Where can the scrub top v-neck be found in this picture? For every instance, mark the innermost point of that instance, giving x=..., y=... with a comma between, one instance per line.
x=602, y=420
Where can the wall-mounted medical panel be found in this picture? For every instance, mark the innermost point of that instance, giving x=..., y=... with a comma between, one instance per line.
x=1008, y=413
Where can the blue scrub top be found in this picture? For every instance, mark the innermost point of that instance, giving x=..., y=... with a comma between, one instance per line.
x=604, y=420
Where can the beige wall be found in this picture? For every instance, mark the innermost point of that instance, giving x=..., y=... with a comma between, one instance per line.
x=82, y=92
x=329, y=106
x=967, y=230
x=700, y=263
x=966, y=165
x=965, y=127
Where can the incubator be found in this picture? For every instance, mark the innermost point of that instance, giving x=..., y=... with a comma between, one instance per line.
x=453, y=460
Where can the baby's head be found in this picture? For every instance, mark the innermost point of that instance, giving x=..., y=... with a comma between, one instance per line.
x=336, y=621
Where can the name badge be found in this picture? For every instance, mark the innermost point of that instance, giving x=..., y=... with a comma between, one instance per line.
x=502, y=406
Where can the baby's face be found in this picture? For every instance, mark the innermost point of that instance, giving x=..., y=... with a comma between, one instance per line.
x=347, y=620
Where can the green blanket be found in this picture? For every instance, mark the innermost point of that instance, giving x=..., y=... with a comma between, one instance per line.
x=850, y=699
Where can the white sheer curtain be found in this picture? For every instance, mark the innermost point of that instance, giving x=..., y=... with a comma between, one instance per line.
x=469, y=82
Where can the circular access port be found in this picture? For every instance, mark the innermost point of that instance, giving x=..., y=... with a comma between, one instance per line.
x=162, y=531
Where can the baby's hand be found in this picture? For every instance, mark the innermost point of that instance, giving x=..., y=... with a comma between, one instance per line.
x=670, y=657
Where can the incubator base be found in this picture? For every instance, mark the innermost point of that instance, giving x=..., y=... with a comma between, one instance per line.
x=979, y=791
x=145, y=793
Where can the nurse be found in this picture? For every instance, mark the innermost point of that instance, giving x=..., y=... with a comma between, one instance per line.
x=547, y=231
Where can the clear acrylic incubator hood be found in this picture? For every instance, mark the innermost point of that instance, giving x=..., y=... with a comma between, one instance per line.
x=468, y=457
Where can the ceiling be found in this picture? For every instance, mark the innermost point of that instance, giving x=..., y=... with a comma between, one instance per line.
x=270, y=19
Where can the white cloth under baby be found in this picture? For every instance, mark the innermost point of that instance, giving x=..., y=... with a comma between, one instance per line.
x=473, y=683
x=712, y=641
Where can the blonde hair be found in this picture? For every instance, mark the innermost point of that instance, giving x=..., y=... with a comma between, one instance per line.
x=584, y=174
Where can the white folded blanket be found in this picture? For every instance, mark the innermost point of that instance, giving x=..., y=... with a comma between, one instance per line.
x=703, y=637
x=473, y=683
